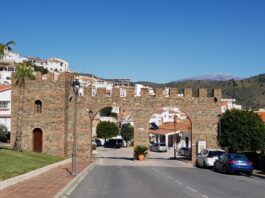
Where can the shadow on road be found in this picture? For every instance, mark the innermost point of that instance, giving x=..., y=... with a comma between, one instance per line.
x=125, y=158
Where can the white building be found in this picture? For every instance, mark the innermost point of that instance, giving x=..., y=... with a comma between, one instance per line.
x=7, y=65
x=13, y=56
x=139, y=87
x=6, y=69
x=228, y=104
x=51, y=64
x=5, y=106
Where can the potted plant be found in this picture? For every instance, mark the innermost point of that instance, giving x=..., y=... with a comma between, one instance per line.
x=140, y=152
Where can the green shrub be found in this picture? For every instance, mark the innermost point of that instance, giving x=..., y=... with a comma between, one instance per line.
x=140, y=150
x=3, y=133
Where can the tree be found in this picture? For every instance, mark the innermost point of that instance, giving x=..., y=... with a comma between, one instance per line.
x=3, y=133
x=40, y=69
x=107, y=130
x=242, y=131
x=127, y=132
x=23, y=72
x=3, y=47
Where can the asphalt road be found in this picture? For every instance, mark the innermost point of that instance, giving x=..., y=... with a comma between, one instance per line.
x=120, y=177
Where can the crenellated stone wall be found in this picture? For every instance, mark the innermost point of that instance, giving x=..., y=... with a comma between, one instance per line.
x=56, y=120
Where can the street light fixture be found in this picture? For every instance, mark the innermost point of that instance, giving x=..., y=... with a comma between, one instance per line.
x=90, y=114
x=76, y=87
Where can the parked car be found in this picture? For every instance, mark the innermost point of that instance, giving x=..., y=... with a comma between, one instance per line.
x=184, y=151
x=233, y=163
x=113, y=143
x=158, y=147
x=97, y=142
x=207, y=157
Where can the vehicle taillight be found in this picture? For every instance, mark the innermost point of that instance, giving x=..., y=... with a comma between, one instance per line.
x=250, y=163
x=231, y=161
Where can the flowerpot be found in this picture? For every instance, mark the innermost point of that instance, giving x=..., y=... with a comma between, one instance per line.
x=141, y=157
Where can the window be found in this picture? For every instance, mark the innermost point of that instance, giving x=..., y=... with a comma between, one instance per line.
x=3, y=104
x=38, y=106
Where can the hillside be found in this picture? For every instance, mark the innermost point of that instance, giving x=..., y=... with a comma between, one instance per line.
x=249, y=92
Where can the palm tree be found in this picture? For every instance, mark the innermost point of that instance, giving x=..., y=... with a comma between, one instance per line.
x=23, y=72
x=6, y=46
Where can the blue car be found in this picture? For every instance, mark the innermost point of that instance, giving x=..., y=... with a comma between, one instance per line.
x=233, y=163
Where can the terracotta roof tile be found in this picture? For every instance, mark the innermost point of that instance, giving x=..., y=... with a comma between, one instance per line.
x=262, y=115
x=170, y=127
x=4, y=87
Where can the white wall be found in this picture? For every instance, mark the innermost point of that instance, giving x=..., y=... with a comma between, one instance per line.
x=52, y=64
x=13, y=56
x=5, y=114
x=5, y=77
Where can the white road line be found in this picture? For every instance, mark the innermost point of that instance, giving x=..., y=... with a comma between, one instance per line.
x=191, y=189
x=204, y=196
x=178, y=182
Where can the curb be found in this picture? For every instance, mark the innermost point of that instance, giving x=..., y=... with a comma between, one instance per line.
x=12, y=181
x=68, y=189
x=261, y=176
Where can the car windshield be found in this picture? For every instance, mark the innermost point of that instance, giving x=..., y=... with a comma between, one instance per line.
x=215, y=153
x=184, y=148
x=237, y=157
x=162, y=144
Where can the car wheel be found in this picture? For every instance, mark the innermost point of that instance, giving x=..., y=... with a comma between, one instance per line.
x=224, y=170
x=214, y=168
x=249, y=173
x=197, y=164
x=204, y=164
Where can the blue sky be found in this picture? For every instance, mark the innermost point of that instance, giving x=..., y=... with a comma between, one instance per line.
x=150, y=40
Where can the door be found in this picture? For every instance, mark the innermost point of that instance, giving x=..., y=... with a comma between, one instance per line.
x=37, y=140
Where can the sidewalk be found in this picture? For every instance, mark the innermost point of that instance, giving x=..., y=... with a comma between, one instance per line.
x=44, y=185
x=259, y=173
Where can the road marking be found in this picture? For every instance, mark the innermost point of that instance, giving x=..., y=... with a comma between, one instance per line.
x=191, y=189
x=204, y=196
x=178, y=182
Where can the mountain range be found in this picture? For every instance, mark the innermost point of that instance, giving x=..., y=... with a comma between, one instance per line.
x=211, y=77
x=249, y=92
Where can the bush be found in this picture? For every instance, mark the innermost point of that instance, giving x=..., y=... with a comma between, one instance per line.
x=242, y=131
x=3, y=133
x=140, y=150
x=127, y=132
x=107, y=130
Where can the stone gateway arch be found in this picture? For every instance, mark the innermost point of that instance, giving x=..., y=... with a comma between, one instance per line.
x=55, y=119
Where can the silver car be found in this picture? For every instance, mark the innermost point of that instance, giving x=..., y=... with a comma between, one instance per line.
x=158, y=147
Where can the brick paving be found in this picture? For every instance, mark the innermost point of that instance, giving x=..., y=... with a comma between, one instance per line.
x=45, y=185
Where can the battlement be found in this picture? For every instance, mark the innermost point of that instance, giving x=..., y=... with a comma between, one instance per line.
x=158, y=92
x=51, y=76
x=127, y=91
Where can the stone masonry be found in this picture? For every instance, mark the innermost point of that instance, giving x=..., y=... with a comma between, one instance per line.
x=56, y=119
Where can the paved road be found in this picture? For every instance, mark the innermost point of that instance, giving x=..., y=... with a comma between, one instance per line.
x=118, y=176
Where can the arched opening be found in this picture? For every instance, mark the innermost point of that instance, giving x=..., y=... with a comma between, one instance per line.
x=124, y=136
x=37, y=140
x=171, y=131
x=38, y=106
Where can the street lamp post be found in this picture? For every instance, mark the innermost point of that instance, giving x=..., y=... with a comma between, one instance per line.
x=76, y=86
x=219, y=126
x=90, y=114
x=175, y=121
